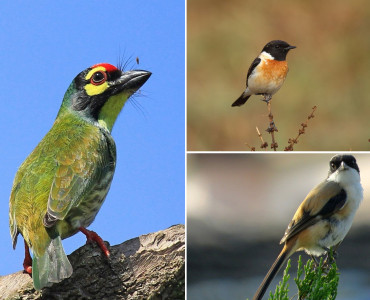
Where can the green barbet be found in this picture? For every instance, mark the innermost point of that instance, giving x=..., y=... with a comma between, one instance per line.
x=60, y=187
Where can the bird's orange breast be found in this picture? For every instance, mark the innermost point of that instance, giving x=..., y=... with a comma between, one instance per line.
x=268, y=77
x=274, y=70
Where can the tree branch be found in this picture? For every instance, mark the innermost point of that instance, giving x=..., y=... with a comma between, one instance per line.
x=151, y=266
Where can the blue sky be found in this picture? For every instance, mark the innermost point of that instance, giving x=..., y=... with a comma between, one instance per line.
x=43, y=47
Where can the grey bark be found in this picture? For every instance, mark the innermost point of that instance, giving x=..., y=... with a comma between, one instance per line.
x=151, y=266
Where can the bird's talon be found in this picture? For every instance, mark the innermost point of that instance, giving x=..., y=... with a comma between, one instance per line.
x=27, y=263
x=92, y=236
x=28, y=270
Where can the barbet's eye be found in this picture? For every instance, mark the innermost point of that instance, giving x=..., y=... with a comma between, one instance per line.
x=332, y=165
x=98, y=78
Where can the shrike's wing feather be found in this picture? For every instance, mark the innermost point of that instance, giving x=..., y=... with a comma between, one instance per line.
x=322, y=202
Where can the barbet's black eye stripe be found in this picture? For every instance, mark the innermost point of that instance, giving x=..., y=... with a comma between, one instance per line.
x=114, y=75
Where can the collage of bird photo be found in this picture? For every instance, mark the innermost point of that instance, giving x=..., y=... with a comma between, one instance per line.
x=196, y=149
x=278, y=150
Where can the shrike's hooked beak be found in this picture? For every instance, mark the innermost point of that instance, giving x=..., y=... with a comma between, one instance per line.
x=343, y=166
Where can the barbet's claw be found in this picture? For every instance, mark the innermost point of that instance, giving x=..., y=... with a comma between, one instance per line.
x=27, y=263
x=92, y=236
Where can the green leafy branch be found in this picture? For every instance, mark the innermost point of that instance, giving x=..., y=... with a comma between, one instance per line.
x=318, y=282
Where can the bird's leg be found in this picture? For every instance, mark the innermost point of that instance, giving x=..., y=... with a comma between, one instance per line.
x=334, y=251
x=315, y=261
x=266, y=98
x=272, y=127
x=325, y=263
x=93, y=236
x=27, y=263
x=331, y=256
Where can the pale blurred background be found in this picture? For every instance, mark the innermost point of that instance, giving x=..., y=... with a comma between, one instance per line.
x=238, y=207
x=330, y=68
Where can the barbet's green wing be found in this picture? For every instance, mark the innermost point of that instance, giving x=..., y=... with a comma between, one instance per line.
x=79, y=166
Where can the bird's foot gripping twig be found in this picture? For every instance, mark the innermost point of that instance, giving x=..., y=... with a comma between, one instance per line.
x=330, y=258
x=93, y=236
x=315, y=261
x=326, y=262
x=27, y=263
x=266, y=98
x=272, y=127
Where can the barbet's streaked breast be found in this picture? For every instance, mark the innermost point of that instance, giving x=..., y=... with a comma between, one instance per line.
x=62, y=184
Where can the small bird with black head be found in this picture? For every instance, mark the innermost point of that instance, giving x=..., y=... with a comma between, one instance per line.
x=267, y=72
x=324, y=217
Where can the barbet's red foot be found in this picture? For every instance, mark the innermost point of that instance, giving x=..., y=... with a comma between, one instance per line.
x=93, y=236
x=27, y=263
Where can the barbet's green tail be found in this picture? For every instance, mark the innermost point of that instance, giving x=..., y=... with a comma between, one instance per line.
x=51, y=267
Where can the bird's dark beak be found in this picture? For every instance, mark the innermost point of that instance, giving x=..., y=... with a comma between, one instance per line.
x=290, y=47
x=130, y=81
x=343, y=166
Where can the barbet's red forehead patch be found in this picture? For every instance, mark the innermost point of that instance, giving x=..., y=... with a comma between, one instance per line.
x=108, y=67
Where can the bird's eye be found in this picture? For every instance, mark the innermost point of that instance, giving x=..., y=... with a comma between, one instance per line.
x=333, y=166
x=277, y=46
x=98, y=78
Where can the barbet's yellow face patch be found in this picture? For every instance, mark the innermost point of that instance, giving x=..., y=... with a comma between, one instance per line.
x=98, y=81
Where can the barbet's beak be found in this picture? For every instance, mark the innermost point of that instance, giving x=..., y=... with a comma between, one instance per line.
x=119, y=91
x=130, y=81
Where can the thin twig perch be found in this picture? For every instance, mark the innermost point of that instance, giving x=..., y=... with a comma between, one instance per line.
x=301, y=131
x=272, y=128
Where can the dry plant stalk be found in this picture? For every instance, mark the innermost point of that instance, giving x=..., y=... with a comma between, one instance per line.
x=264, y=144
x=250, y=147
x=272, y=128
x=301, y=131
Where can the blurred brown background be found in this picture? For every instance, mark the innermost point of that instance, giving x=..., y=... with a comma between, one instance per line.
x=330, y=68
x=238, y=207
